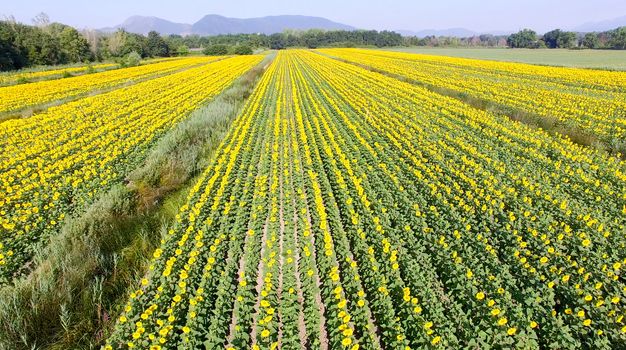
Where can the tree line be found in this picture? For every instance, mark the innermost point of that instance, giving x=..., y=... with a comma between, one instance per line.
x=290, y=38
x=483, y=40
x=46, y=43
x=527, y=38
x=42, y=44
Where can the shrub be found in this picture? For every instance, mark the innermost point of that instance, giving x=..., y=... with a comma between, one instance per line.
x=182, y=50
x=216, y=50
x=132, y=59
x=242, y=50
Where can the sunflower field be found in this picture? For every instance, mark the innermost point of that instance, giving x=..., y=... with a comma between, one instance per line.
x=349, y=209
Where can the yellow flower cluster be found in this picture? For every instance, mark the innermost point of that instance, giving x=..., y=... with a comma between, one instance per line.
x=11, y=78
x=18, y=97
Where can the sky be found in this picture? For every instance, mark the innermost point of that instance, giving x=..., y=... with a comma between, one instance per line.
x=484, y=15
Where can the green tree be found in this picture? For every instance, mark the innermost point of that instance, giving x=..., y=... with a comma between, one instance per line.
x=73, y=45
x=242, y=50
x=277, y=42
x=132, y=59
x=551, y=38
x=42, y=48
x=618, y=38
x=134, y=42
x=121, y=43
x=523, y=39
x=11, y=54
x=591, y=41
x=216, y=50
x=312, y=38
x=387, y=38
x=156, y=46
x=566, y=40
x=182, y=50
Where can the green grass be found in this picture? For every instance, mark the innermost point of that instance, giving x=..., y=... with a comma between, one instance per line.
x=602, y=59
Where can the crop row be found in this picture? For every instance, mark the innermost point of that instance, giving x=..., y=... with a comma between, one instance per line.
x=17, y=77
x=19, y=97
x=53, y=72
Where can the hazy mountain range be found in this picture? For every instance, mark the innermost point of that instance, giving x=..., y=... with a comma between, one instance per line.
x=216, y=24
x=602, y=25
x=145, y=24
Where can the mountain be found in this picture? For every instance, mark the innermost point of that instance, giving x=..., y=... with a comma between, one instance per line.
x=145, y=24
x=602, y=25
x=216, y=24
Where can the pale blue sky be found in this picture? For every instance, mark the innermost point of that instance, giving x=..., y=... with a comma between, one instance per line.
x=477, y=15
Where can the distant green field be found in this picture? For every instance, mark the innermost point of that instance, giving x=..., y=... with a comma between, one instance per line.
x=606, y=59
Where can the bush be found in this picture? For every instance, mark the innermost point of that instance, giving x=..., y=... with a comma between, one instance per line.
x=242, y=50
x=22, y=80
x=132, y=59
x=216, y=50
x=182, y=50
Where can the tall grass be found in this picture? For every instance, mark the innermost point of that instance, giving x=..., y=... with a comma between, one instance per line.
x=83, y=276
